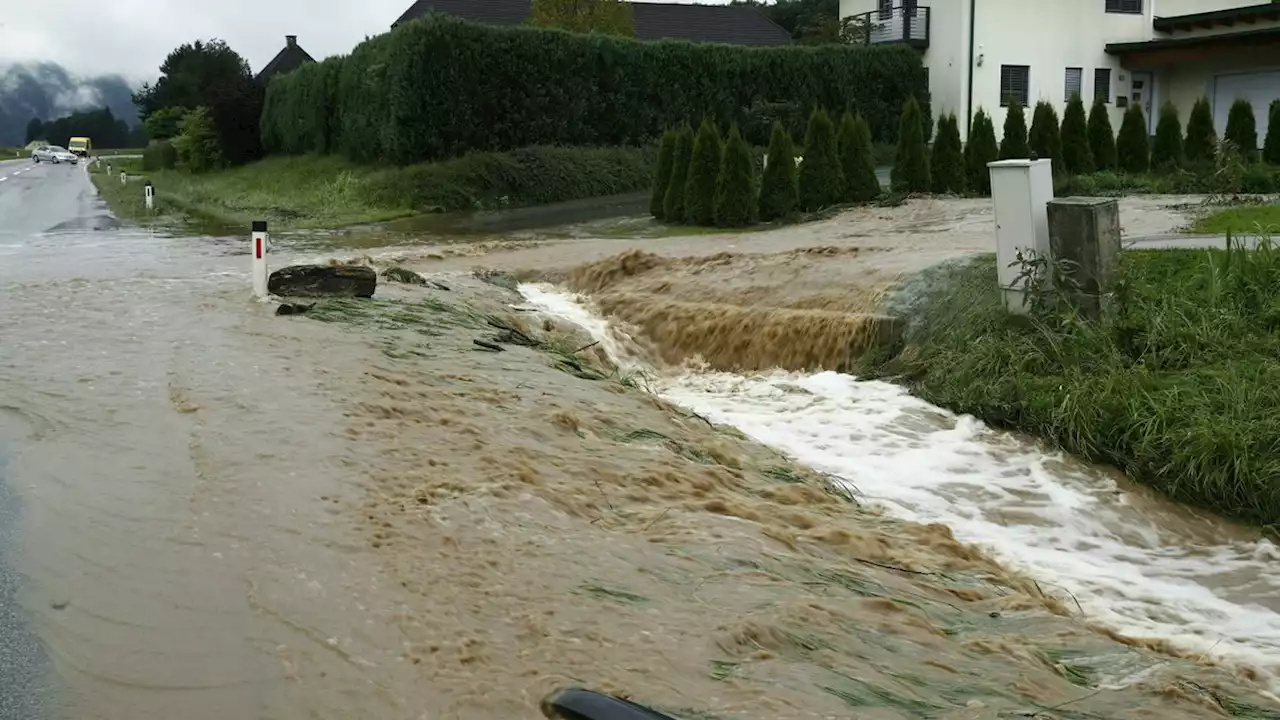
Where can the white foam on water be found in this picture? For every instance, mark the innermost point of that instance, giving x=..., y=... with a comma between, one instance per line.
x=1063, y=522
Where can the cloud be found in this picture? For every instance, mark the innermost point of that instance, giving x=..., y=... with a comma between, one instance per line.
x=48, y=91
x=132, y=37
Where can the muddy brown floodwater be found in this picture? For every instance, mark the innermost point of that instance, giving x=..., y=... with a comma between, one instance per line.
x=362, y=514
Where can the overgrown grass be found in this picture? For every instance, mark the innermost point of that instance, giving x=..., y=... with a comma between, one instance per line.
x=324, y=191
x=1241, y=218
x=1178, y=385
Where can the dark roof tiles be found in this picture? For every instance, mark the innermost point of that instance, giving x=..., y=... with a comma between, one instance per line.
x=732, y=24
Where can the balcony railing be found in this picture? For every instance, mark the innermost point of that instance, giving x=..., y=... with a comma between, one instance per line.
x=907, y=23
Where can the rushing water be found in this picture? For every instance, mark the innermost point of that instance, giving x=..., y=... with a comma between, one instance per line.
x=1136, y=562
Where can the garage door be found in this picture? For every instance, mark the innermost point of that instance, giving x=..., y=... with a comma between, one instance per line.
x=1258, y=88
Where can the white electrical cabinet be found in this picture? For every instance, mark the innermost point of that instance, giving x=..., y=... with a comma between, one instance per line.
x=1020, y=191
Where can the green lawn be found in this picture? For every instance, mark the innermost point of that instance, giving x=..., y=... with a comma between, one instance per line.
x=1178, y=386
x=1241, y=219
x=327, y=191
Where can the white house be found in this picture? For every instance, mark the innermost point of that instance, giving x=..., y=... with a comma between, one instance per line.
x=980, y=53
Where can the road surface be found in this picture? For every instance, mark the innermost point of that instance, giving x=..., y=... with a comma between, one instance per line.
x=163, y=450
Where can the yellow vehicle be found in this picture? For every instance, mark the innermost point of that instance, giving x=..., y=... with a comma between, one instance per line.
x=81, y=146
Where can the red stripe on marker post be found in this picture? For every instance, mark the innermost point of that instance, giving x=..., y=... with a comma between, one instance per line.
x=257, y=244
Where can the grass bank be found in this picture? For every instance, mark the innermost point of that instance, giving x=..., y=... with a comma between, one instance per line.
x=1257, y=218
x=325, y=191
x=1179, y=386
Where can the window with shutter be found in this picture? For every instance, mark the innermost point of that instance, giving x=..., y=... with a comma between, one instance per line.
x=1102, y=84
x=886, y=9
x=1015, y=84
x=1128, y=7
x=1074, y=83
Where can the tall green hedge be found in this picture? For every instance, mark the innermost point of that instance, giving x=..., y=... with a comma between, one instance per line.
x=821, y=181
x=857, y=160
x=440, y=86
x=735, y=183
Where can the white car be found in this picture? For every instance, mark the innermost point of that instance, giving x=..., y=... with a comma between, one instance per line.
x=54, y=154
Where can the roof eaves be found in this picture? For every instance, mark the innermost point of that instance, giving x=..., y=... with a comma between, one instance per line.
x=1231, y=16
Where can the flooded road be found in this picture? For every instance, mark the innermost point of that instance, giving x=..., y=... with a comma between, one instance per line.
x=209, y=512
x=167, y=453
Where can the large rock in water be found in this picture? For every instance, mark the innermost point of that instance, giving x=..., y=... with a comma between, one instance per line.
x=323, y=281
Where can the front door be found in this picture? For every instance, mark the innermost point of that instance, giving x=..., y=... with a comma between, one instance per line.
x=1142, y=94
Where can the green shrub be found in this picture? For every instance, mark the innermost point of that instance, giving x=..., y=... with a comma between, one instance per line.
x=662, y=173
x=495, y=88
x=1271, y=147
x=197, y=147
x=673, y=209
x=820, y=182
x=1077, y=156
x=1166, y=151
x=947, y=166
x=1260, y=179
x=911, y=164
x=979, y=151
x=779, y=195
x=704, y=167
x=1242, y=129
x=159, y=155
x=857, y=160
x=1133, y=144
x=736, y=183
x=1013, y=146
x=527, y=176
x=1045, y=139
x=1102, y=138
x=1201, y=146
x=757, y=127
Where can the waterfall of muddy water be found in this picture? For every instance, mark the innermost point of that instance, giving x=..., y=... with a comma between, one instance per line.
x=1137, y=563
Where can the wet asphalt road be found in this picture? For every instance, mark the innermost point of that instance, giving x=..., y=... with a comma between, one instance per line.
x=24, y=192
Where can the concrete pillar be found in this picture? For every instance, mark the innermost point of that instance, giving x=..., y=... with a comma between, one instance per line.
x=1085, y=232
x=1020, y=190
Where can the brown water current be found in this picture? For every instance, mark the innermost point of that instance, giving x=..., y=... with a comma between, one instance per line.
x=225, y=514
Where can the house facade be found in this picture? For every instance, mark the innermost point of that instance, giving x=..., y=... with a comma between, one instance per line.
x=983, y=53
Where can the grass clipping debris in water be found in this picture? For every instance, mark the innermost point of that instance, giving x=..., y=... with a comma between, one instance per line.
x=1178, y=385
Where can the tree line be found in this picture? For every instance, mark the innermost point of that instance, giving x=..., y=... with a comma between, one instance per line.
x=101, y=125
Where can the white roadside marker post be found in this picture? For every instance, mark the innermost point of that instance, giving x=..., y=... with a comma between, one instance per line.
x=124, y=178
x=260, y=258
x=149, y=194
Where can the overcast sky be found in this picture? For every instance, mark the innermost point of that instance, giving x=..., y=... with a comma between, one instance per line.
x=132, y=37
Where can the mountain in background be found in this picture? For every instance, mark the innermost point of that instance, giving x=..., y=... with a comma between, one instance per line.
x=47, y=91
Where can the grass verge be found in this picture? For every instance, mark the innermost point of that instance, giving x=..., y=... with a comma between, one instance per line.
x=1262, y=219
x=1178, y=385
x=324, y=191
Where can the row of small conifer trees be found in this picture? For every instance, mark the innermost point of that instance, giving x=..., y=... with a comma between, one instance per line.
x=1080, y=146
x=701, y=181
